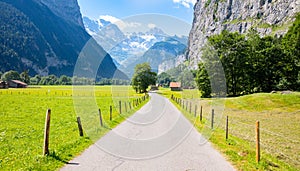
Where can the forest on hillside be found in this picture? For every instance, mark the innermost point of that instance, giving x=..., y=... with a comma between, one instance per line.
x=251, y=63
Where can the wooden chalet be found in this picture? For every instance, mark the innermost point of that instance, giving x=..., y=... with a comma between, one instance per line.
x=16, y=84
x=175, y=86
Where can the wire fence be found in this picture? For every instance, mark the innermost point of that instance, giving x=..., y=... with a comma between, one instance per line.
x=278, y=136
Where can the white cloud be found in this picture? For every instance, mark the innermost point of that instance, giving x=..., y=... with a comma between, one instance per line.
x=186, y=3
x=120, y=23
x=109, y=18
x=151, y=25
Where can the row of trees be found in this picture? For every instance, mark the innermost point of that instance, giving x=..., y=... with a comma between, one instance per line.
x=251, y=63
x=62, y=80
x=14, y=75
x=182, y=73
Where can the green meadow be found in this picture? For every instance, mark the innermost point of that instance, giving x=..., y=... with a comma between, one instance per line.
x=23, y=111
x=279, y=117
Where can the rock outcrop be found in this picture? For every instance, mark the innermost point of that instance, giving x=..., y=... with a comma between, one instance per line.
x=67, y=9
x=268, y=17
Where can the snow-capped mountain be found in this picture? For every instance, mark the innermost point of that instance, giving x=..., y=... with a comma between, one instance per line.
x=134, y=46
x=94, y=26
x=161, y=56
x=126, y=48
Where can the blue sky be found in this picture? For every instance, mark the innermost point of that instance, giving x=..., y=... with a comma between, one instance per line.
x=182, y=9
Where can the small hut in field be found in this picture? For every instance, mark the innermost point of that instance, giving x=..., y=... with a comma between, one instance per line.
x=16, y=84
x=175, y=86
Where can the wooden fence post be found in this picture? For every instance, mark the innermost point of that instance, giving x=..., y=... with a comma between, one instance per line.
x=226, y=127
x=257, y=142
x=195, y=114
x=190, y=107
x=186, y=105
x=79, y=126
x=100, y=117
x=200, y=113
x=129, y=104
x=120, y=106
x=212, y=118
x=46, y=133
x=125, y=106
x=110, y=113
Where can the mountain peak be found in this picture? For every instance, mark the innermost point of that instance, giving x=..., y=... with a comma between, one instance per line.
x=47, y=43
x=67, y=9
x=156, y=31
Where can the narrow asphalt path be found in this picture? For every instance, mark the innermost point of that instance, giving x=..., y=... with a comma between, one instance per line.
x=157, y=137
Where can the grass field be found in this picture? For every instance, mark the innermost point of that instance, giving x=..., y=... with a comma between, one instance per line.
x=22, y=118
x=279, y=116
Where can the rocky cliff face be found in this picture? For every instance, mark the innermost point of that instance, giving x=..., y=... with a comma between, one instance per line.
x=67, y=9
x=212, y=16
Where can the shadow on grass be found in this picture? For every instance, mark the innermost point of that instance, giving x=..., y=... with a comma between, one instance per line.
x=56, y=157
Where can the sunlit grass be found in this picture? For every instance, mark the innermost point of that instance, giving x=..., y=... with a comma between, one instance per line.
x=22, y=113
x=279, y=116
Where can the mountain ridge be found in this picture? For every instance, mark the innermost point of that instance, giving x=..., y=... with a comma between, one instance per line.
x=42, y=42
x=128, y=49
x=67, y=9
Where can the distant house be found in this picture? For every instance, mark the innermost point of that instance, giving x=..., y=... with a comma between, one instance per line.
x=175, y=86
x=3, y=84
x=154, y=88
x=16, y=84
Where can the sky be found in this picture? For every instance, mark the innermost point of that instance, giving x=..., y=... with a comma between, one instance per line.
x=181, y=10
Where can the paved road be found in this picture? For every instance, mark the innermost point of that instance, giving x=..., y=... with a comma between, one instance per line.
x=157, y=137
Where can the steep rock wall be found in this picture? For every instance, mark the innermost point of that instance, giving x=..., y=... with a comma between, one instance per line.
x=67, y=9
x=213, y=16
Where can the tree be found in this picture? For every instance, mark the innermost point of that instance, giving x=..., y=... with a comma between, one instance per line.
x=291, y=47
x=143, y=77
x=164, y=79
x=25, y=77
x=232, y=50
x=10, y=75
x=203, y=82
x=35, y=80
x=187, y=79
x=65, y=80
x=254, y=64
x=49, y=80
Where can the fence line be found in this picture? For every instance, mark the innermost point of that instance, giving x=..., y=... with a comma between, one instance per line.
x=273, y=150
x=234, y=129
